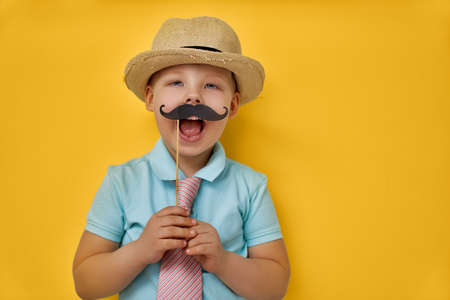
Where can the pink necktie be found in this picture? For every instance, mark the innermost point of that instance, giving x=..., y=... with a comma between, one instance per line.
x=180, y=275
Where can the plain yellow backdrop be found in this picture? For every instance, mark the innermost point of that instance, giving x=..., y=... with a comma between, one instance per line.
x=352, y=129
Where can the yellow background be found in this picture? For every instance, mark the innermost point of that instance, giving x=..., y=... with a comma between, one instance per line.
x=352, y=128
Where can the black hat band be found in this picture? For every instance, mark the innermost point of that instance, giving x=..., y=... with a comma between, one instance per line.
x=203, y=48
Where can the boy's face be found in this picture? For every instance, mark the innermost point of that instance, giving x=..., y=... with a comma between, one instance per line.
x=192, y=84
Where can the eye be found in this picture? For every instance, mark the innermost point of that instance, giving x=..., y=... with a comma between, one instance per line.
x=211, y=86
x=176, y=83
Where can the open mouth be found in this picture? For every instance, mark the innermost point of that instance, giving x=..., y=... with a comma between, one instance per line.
x=191, y=129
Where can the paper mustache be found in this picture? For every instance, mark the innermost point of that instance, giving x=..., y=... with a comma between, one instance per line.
x=201, y=111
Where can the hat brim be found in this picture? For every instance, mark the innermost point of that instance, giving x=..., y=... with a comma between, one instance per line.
x=248, y=72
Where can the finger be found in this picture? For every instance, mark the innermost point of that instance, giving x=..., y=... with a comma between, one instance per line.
x=199, y=258
x=200, y=239
x=172, y=220
x=202, y=227
x=168, y=244
x=202, y=249
x=172, y=210
x=176, y=232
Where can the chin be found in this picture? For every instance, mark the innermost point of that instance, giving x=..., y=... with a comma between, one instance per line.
x=195, y=150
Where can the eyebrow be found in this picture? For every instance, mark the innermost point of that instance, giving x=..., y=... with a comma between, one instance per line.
x=172, y=73
x=215, y=77
x=206, y=76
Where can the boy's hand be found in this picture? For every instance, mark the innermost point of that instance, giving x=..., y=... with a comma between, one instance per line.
x=206, y=247
x=167, y=229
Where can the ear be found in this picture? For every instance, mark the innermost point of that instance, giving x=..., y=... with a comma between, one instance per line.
x=149, y=98
x=234, y=106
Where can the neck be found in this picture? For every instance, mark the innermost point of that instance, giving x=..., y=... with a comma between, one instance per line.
x=191, y=164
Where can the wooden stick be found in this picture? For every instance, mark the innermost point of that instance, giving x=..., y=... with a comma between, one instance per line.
x=176, y=180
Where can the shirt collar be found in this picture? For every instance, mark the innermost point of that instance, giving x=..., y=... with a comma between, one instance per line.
x=164, y=166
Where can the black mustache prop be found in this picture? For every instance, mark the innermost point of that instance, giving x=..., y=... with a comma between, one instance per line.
x=201, y=111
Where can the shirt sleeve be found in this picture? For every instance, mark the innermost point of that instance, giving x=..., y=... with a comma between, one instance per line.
x=105, y=217
x=261, y=223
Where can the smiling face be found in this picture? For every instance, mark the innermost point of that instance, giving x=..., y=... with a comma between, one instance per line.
x=192, y=84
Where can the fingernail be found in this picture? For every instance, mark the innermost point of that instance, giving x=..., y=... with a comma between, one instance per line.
x=194, y=221
x=188, y=251
x=192, y=232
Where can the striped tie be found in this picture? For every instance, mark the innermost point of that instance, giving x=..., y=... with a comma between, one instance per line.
x=180, y=275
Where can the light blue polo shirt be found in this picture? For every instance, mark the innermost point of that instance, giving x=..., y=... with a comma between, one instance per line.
x=232, y=197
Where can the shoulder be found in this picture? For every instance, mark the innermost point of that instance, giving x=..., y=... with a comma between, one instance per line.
x=130, y=172
x=244, y=175
x=130, y=167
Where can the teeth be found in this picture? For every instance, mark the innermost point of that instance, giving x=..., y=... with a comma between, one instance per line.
x=194, y=118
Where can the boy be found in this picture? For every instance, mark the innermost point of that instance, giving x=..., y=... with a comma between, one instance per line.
x=228, y=245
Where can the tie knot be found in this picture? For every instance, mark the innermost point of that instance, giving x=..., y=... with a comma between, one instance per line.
x=187, y=190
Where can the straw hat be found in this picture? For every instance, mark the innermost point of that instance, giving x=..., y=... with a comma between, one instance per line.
x=200, y=40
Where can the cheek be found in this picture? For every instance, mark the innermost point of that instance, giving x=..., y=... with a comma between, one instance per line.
x=217, y=102
x=216, y=127
x=170, y=100
x=164, y=124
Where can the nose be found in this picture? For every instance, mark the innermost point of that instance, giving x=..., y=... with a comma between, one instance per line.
x=193, y=97
x=192, y=100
